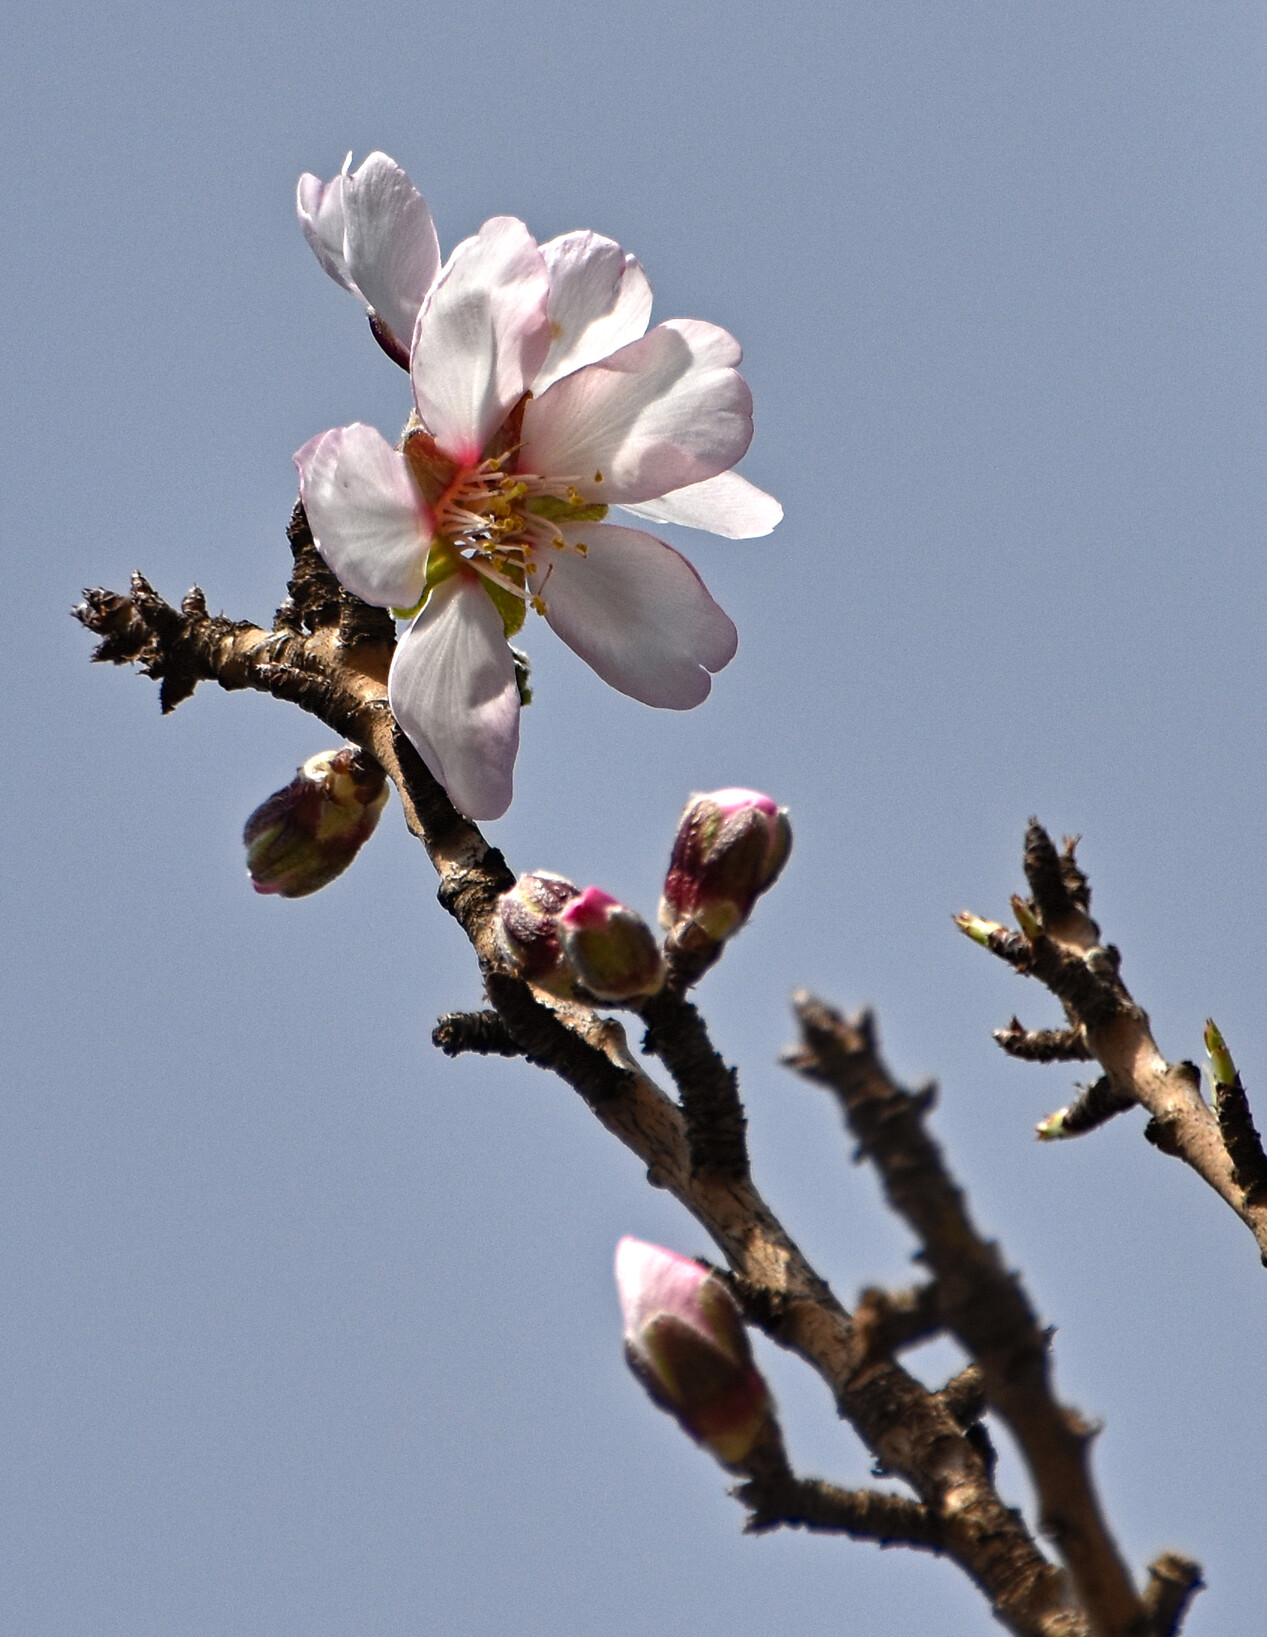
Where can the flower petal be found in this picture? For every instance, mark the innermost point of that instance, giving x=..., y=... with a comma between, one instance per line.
x=636, y=611
x=663, y=412
x=599, y=300
x=366, y=516
x=390, y=245
x=726, y=504
x=481, y=338
x=319, y=206
x=452, y=689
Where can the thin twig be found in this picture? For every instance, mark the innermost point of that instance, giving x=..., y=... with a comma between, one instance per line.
x=481, y=1032
x=1043, y=1045
x=1173, y=1581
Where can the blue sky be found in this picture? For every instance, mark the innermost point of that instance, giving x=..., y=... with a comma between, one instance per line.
x=311, y=1331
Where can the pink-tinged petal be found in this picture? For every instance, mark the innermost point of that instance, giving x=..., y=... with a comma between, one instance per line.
x=636, y=611
x=366, y=516
x=319, y=206
x=650, y=1280
x=726, y=504
x=481, y=338
x=599, y=301
x=452, y=689
x=390, y=244
x=664, y=412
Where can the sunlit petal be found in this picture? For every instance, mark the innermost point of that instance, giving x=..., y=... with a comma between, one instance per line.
x=666, y=411
x=452, y=689
x=636, y=611
x=726, y=504
x=366, y=516
x=481, y=338
x=391, y=250
x=599, y=301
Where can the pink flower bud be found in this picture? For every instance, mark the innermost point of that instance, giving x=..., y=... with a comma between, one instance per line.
x=526, y=930
x=612, y=950
x=310, y=831
x=730, y=846
x=686, y=1343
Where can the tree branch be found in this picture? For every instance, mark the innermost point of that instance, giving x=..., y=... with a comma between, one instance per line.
x=330, y=656
x=1061, y=948
x=982, y=1304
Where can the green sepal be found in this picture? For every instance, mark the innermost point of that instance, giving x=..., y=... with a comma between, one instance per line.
x=523, y=671
x=442, y=561
x=563, y=511
x=511, y=608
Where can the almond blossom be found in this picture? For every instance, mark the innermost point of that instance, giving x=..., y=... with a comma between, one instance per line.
x=540, y=400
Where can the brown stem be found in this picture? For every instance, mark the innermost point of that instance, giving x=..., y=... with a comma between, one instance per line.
x=1173, y=1581
x=480, y=1032
x=982, y=1303
x=1043, y=1045
x=716, y=1127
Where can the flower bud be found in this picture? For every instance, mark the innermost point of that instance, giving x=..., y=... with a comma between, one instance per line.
x=526, y=930
x=686, y=1343
x=611, y=949
x=1222, y=1068
x=310, y=831
x=730, y=846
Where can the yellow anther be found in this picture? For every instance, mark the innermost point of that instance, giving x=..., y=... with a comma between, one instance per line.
x=582, y=548
x=598, y=477
x=539, y=605
x=558, y=542
x=575, y=498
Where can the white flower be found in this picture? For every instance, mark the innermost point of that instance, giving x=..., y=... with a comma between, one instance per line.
x=541, y=400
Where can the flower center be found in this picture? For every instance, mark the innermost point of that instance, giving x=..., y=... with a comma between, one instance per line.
x=505, y=524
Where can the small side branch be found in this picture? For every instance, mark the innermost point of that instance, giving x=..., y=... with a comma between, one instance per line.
x=481, y=1032
x=1094, y=1105
x=822, y=1508
x=1173, y=1581
x=1044, y=1045
x=889, y=1320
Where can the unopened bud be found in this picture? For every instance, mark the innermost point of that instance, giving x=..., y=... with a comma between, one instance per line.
x=981, y=932
x=527, y=933
x=612, y=950
x=310, y=831
x=686, y=1343
x=729, y=847
x=1222, y=1068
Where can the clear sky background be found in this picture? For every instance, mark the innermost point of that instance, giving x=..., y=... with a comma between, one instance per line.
x=309, y=1332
